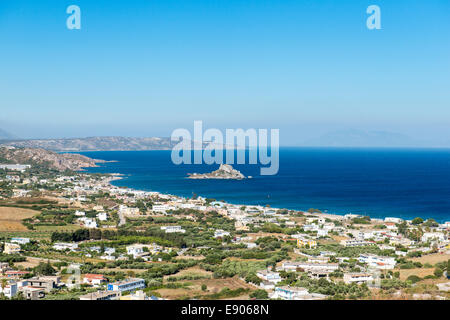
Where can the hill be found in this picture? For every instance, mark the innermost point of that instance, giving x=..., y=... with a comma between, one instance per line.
x=41, y=157
x=95, y=144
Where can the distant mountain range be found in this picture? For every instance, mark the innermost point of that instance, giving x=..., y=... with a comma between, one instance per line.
x=358, y=138
x=97, y=144
x=343, y=138
x=94, y=144
x=6, y=135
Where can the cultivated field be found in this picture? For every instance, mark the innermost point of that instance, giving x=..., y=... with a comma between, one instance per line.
x=432, y=258
x=193, y=271
x=421, y=272
x=11, y=218
x=213, y=286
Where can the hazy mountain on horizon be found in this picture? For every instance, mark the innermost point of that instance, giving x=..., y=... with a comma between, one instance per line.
x=95, y=144
x=111, y=143
x=359, y=138
x=342, y=138
x=4, y=135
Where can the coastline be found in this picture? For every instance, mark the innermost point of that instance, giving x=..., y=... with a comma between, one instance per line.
x=158, y=175
x=326, y=214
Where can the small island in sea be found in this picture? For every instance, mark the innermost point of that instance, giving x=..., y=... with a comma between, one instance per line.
x=225, y=171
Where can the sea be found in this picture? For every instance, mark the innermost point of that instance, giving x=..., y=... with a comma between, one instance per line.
x=404, y=183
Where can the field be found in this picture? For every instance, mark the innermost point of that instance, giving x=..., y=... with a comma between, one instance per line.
x=67, y=228
x=432, y=258
x=193, y=271
x=32, y=262
x=420, y=272
x=11, y=218
x=213, y=286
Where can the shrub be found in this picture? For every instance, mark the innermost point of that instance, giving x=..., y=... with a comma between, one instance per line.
x=259, y=294
x=413, y=278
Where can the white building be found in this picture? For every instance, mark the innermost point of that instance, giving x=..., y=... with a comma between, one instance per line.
x=310, y=227
x=270, y=276
x=94, y=279
x=128, y=211
x=65, y=246
x=15, y=167
x=135, y=250
x=102, y=216
x=219, y=233
x=392, y=219
x=308, y=267
x=171, y=229
x=355, y=243
x=20, y=240
x=427, y=236
x=357, y=278
x=289, y=293
x=384, y=263
x=162, y=208
x=10, y=290
x=90, y=223
x=109, y=250
x=11, y=248
x=131, y=284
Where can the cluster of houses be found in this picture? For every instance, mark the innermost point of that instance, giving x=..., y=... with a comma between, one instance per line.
x=308, y=234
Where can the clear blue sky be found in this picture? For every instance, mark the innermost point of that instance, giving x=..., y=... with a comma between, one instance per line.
x=144, y=68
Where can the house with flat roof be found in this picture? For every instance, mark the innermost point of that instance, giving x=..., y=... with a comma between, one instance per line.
x=130, y=284
x=65, y=246
x=357, y=277
x=289, y=293
x=32, y=293
x=171, y=229
x=15, y=274
x=20, y=240
x=46, y=283
x=10, y=290
x=378, y=262
x=270, y=276
x=102, y=295
x=11, y=248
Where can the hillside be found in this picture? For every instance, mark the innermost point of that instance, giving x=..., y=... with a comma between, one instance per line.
x=95, y=144
x=53, y=160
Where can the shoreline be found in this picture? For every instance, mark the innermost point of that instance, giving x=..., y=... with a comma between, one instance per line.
x=260, y=202
x=326, y=214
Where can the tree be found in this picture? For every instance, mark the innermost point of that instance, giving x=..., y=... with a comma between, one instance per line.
x=438, y=272
x=44, y=269
x=252, y=278
x=259, y=294
x=417, y=221
x=431, y=223
x=413, y=278
x=4, y=282
x=204, y=287
x=402, y=228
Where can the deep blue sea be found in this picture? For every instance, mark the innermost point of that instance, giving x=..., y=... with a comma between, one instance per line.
x=403, y=183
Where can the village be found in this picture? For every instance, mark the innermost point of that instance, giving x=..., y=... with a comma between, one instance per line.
x=73, y=235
